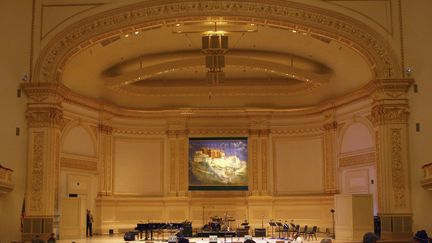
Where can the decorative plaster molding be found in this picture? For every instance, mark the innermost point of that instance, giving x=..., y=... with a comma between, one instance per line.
x=386, y=114
x=106, y=129
x=79, y=164
x=299, y=131
x=281, y=14
x=360, y=159
x=330, y=125
x=37, y=171
x=397, y=169
x=6, y=184
x=139, y=132
x=427, y=179
x=218, y=132
x=45, y=117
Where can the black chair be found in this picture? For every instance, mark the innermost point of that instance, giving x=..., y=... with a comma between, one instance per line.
x=312, y=233
x=304, y=231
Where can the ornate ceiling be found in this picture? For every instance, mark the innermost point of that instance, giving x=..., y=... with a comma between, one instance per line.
x=135, y=57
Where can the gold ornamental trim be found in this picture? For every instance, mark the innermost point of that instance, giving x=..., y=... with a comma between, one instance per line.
x=282, y=14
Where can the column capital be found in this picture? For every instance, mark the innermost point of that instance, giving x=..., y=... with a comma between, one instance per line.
x=330, y=125
x=50, y=116
x=392, y=85
x=259, y=132
x=47, y=93
x=105, y=129
x=389, y=114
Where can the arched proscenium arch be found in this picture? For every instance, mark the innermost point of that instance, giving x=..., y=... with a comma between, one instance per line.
x=282, y=14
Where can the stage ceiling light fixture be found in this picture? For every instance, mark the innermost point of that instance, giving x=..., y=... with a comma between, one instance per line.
x=214, y=43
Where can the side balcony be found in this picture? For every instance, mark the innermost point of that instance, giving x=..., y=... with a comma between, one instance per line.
x=6, y=184
x=427, y=178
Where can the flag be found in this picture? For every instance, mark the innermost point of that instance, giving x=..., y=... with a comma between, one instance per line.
x=23, y=215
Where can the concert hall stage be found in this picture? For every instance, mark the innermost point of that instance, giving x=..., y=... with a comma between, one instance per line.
x=117, y=238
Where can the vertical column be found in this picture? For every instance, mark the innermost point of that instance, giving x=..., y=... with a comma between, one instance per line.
x=44, y=119
x=254, y=167
x=259, y=156
x=178, y=160
x=330, y=165
x=105, y=158
x=389, y=115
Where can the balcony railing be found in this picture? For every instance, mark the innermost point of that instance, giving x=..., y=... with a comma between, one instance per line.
x=427, y=179
x=6, y=184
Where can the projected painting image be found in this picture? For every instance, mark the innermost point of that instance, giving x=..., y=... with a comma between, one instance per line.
x=218, y=164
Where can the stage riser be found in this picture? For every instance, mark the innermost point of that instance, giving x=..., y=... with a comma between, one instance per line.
x=123, y=214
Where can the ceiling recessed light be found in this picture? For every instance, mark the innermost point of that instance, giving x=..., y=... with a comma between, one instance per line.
x=127, y=35
x=177, y=25
x=294, y=31
x=136, y=32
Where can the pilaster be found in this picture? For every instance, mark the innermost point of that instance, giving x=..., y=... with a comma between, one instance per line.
x=105, y=165
x=178, y=157
x=390, y=111
x=259, y=139
x=44, y=120
x=330, y=159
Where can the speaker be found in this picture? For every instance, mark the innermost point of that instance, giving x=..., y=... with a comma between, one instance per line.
x=260, y=232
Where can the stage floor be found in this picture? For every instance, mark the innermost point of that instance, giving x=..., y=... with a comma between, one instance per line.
x=119, y=239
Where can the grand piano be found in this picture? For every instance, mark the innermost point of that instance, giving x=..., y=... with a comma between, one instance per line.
x=183, y=229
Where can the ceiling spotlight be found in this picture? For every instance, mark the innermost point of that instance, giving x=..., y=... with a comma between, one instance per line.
x=127, y=35
x=136, y=32
x=294, y=31
x=177, y=25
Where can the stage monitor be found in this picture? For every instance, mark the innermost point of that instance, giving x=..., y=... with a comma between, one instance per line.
x=218, y=164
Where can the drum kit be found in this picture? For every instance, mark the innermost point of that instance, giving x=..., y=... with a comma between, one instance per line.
x=217, y=223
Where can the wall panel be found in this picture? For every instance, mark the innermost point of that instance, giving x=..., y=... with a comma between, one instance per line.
x=138, y=166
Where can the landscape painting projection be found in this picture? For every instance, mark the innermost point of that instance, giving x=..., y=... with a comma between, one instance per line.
x=218, y=164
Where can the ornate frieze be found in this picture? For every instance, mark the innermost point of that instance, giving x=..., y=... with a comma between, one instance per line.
x=397, y=169
x=45, y=117
x=386, y=114
x=139, y=132
x=282, y=14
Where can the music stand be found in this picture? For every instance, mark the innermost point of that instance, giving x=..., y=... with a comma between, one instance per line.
x=272, y=225
x=279, y=225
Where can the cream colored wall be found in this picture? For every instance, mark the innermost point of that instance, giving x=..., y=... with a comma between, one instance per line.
x=14, y=63
x=138, y=166
x=418, y=56
x=298, y=165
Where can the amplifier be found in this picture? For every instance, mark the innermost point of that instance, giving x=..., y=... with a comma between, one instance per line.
x=260, y=232
x=242, y=232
